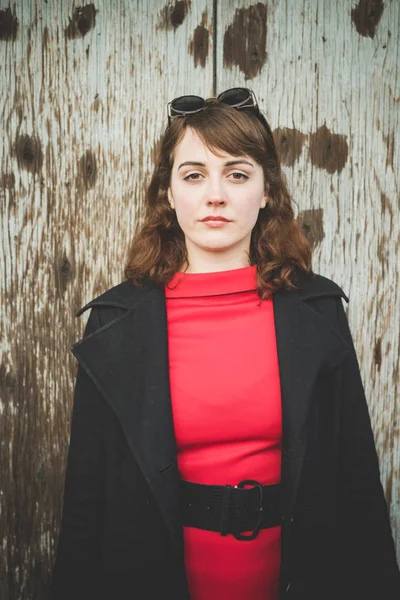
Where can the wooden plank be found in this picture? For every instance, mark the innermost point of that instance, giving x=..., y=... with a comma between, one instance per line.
x=327, y=77
x=82, y=109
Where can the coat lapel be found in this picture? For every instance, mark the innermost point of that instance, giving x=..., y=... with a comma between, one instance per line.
x=127, y=358
x=307, y=345
x=128, y=361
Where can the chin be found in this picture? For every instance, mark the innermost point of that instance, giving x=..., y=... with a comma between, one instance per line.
x=216, y=242
x=216, y=247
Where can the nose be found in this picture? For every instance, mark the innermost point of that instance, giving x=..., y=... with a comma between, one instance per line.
x=215, y=193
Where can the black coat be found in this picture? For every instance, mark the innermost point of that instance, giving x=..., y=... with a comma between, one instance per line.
x=121, y=536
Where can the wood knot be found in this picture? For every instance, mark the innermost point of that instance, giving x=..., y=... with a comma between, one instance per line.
x=289, y=144
x=64, y=273
x=173, y=15
x=328, y=150
x=366, y=16
x=83, y=20
x=29, y=153
x=8, y=24
x=245, y=40
x=87, y=171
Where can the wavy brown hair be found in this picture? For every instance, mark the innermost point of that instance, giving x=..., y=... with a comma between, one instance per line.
x=278, y=247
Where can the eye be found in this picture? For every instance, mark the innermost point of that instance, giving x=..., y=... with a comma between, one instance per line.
x=192, y=177
x=239, y=176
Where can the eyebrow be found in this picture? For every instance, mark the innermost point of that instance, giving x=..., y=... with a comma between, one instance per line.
x=229, y=163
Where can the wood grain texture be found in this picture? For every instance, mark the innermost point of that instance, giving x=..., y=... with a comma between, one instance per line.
x=83, y=99
x=330, y=88
x=83, y=93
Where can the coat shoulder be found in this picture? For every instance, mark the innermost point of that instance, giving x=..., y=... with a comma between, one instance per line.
x=124, y=295
x=318, y=286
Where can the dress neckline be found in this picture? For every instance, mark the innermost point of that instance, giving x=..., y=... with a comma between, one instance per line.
x=190, y=285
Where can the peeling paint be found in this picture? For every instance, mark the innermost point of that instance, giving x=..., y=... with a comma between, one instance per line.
x=45, y=38
x=96, y=104
x=387, y=208
x=366, y=16
x=83, y=20
x=311, y=223
x=173, y=15
x=382, y=253
x=389, y=141
x=63, y=273
x=198, y=46
x=29, y=153
x=9, y=195
x=8, y=181
x=378, y=353
x=389, y=486
x=8, y=381
x=328, y=150
x=245, y=40
x=8, y=24
x=289, y=143
x=395, y=99
x=87, y=171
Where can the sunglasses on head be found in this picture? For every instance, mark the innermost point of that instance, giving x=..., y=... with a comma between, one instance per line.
x=238, y=98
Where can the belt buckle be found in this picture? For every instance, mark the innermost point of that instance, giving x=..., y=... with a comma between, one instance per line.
x=256, y=529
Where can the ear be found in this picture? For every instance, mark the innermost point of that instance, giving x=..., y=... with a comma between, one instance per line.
x=170, y=198
x=265, y=197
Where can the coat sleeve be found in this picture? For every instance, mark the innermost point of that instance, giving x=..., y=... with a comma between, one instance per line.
x=368, y=557
x=76, y=572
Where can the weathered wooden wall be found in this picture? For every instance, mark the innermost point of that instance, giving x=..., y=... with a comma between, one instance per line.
x=83, y=93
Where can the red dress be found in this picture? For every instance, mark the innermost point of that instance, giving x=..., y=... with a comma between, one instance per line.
x=226, y=404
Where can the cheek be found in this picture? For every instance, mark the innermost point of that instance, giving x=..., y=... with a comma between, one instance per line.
x=184, y=208
x=250, y=206
x=185, y=199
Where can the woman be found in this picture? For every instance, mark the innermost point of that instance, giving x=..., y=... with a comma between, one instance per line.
x=221, y=445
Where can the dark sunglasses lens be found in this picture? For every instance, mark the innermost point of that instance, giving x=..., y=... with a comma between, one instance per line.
x=187, y=103
x=234, y=96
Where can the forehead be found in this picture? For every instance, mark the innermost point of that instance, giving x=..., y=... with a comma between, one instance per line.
x=192, y=147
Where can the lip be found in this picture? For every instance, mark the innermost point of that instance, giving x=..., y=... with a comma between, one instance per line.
x=215, y=222
x=215, y=219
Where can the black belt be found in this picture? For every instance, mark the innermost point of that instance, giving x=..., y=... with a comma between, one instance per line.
x=230, y=509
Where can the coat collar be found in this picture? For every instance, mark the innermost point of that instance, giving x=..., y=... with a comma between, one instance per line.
x=125, y=295
x=127, y=358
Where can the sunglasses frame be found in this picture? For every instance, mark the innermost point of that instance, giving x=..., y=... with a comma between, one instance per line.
x=239, y=105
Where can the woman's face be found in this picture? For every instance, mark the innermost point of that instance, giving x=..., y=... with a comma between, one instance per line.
x=203, y=185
